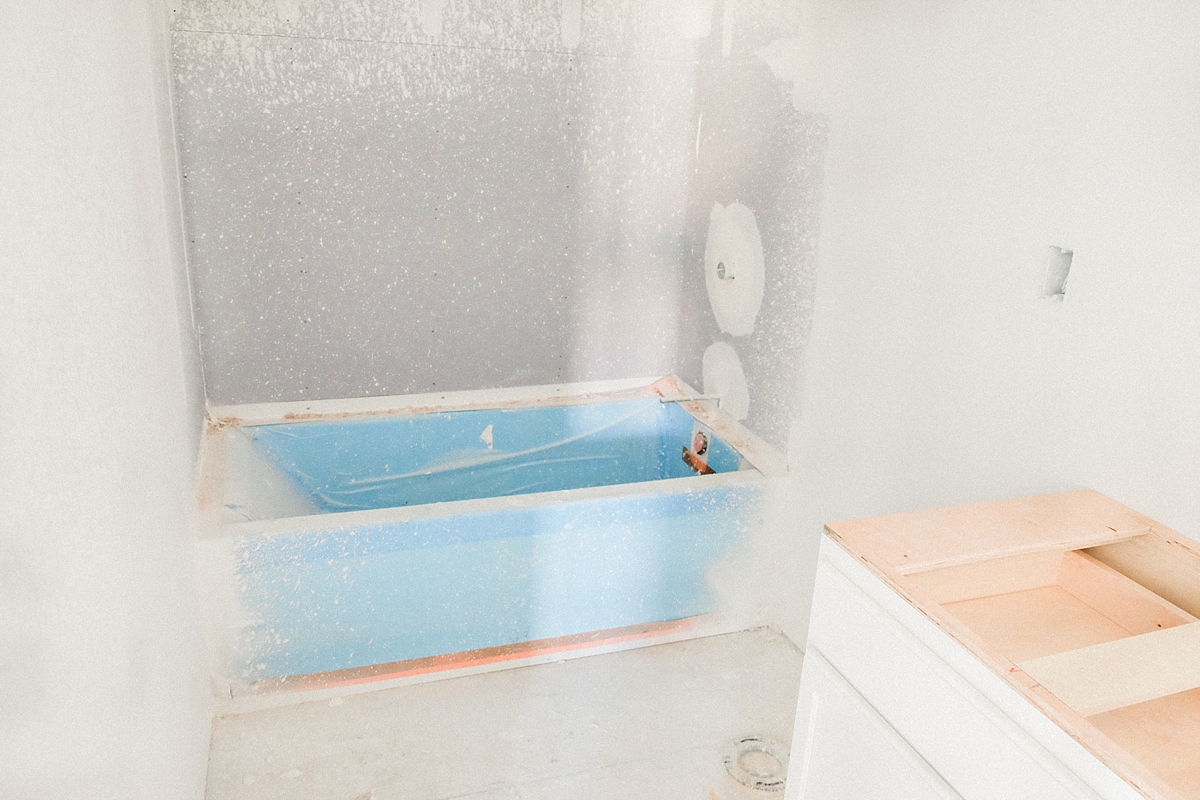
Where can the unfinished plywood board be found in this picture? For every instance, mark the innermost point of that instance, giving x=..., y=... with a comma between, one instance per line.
x=986, y=578
x=1037, y=604
x=1164, y=734
x=1083, y=606
x=1133, y=607
x=1092, y=680
x=923, y=540
x=1036, y=622
x=1160, y=563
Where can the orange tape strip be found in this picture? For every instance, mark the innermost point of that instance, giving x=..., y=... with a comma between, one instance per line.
x=468, y=658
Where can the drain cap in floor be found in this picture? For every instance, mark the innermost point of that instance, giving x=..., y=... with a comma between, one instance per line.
x=758, y=763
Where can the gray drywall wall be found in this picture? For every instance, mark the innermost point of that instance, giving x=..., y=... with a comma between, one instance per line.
x=756, y=149
x=390, y=198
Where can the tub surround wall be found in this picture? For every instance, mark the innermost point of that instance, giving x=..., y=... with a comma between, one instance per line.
x=384, y=200
x=100, y=413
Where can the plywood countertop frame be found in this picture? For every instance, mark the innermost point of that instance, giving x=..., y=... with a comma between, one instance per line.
x=1121, y=593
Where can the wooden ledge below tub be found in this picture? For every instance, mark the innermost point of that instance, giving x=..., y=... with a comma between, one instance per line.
x=1087, y=608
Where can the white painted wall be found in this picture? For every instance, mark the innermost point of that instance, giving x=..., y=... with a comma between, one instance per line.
x=100, y=406
x=965, y=138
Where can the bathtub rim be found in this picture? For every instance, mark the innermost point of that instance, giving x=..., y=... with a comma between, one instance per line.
x=764, y=460
x=667, y=388
x=250, y=414
x=324, y=523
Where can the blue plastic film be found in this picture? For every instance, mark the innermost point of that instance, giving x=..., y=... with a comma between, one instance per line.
x=393, y=591
x=432, y=458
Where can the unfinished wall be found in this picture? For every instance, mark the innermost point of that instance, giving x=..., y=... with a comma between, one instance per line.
x=100, y=412
x=399, y=197
x=965, y=139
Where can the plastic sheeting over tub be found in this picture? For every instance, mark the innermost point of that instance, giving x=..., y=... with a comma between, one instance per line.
x=359, y=542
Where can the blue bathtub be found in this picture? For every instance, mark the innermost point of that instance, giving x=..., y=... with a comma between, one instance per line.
x=387, y=539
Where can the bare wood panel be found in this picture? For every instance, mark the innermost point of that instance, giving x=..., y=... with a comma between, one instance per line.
x=1133, y=607
x=1163, y=734
x=1036, y=622
x=923, y=540
x=1086, y=640
x=1120, y=760
x=1102, y=677
x=992, y=577
x=1161, y=562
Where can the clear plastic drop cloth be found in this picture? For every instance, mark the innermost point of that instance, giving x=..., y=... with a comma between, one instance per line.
x=431, y=458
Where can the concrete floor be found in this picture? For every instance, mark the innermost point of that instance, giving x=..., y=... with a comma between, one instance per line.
x=648, y=723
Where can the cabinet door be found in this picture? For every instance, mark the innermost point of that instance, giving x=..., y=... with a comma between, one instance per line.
x=984, y=739
x=843, y=750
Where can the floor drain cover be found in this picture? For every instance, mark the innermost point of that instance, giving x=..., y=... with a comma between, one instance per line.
x=758, y=762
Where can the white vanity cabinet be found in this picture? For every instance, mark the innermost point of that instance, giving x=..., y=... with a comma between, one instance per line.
x=850, y=751
x=1036, y=648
